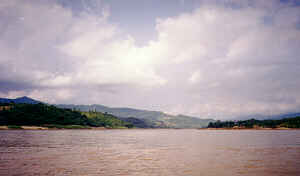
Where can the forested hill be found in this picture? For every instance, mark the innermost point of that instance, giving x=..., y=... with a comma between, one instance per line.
x=155, y=119
x=51, y=116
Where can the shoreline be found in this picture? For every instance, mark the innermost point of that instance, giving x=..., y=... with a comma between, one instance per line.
x=281, y=128
x=14, y=127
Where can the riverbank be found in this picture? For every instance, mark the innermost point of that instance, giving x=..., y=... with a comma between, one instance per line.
x=15, y=127
x=52, y=127
x=280, y=128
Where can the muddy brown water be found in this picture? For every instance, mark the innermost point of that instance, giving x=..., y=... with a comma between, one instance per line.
x=157, y=152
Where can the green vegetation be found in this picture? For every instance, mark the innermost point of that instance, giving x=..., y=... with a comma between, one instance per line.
x=40, y=114
x=105, y=120
x=14, y=127
x=52, y=117
x=287, y=123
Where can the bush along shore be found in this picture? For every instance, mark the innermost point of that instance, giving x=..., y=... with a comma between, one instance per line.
x=286, y=123
x=42, y=116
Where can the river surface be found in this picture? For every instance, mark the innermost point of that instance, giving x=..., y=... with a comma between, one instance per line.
x=157, y=152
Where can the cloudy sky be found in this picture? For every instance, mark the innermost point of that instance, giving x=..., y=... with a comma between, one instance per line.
x=217, y=59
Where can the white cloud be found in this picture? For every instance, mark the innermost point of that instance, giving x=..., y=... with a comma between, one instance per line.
x=51, y=47
x=240, y=57
x=216, y=61
x=195, y=77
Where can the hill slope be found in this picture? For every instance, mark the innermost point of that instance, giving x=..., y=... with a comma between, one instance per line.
x=51, y=116
x=155, y=119
x=39, y=114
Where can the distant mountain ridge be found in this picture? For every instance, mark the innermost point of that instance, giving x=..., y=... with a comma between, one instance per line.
x=152, y=118
x=146, y=118
x=140, y=118
x=19, y=100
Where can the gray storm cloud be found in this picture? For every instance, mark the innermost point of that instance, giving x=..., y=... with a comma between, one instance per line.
x=221, y=60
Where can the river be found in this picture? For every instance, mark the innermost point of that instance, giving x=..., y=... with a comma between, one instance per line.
x=150, y=152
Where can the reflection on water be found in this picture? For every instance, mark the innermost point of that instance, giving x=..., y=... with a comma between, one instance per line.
x=150, y=152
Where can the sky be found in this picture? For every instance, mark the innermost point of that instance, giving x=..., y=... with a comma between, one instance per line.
x=206, y=58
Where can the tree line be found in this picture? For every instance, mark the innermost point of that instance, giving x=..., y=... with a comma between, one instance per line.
x=251, y=123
